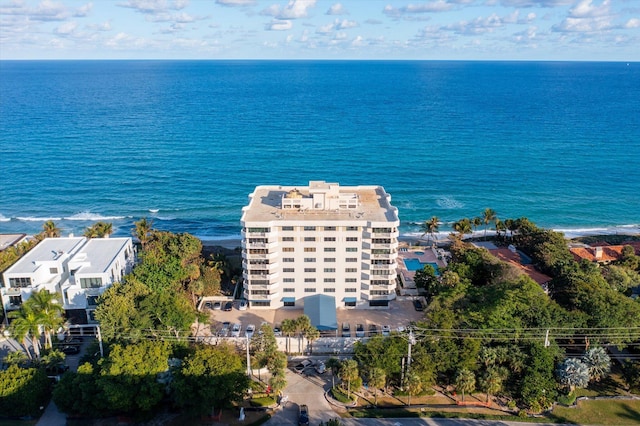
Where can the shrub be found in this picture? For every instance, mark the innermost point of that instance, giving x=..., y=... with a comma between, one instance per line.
x=340, y=396
x=264, y=401
x=568, y=399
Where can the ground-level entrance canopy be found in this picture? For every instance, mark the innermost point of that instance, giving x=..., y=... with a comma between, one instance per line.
x=321, y=310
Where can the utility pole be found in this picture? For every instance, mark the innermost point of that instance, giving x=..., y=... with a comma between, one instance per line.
x=100, y=341
x=248, y=358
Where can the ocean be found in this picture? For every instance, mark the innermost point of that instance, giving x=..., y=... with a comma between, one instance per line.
x=185, y=142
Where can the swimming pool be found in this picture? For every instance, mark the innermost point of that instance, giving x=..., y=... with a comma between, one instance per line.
x=419, y=253
x=415, y=264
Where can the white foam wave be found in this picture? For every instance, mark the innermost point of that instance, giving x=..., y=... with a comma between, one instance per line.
x=449, y=203
x=154, y=210
x=37, y=219
x=4, y=219
x=87, y=216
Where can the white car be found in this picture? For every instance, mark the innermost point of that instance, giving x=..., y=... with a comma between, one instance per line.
x=320, y=367
x=243, y=305
x=235, y=330
x=386, y=330
x=248, y=332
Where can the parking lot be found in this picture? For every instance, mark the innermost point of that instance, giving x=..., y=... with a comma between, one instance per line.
x=399, y=314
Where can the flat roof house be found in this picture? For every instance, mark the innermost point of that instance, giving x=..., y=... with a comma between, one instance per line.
x=321, y=239
x=76, y=268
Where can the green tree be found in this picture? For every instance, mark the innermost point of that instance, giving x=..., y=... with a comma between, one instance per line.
x=23, y=391
x=413, y=384
x=212, y=377
x=118, y=311
x=430, y=227
x=311, y=334
x=99, y=230
x=573, y=373
x=465, y=381
x=288, y=328
x=77, y=393
x=302, y=324
x=18, y=358
x=170, y=315
x=128, y=376
x=476, y=221
x=49, y=309
x=488, y=216
x=462, y=227
x=491, y=381
x=426, y=279
x=50, y=230
x=377, y=380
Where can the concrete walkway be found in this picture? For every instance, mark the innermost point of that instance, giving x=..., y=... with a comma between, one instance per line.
x=52, y=417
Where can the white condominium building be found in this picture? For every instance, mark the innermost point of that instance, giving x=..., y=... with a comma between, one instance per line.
x=321, y=239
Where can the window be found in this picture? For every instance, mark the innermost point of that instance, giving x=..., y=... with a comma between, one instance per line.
x=351, y=259
x=288, y=269
x=15, y=300
x=329, y=269
x=53, y=270
x=329, y=259
x=288, y=239
x=379, y=272
x=309, y=290
x=261, y=303
x=90, y=282
x=329, y=228
x=350, y=303
x=259, y=230
x=309, y=269
x=378, y=292
x=329, y=249
x=329, y=280
x=259, y=282
x=288, y=280
x=92, y=300
x=309, y=238
x=329, y=238
x=287, y=249
x=379, y=282
x=351, y=270
x=287, y=259
x=289, y=303
x=351, y=239
x=352, y=228
x=287, y=228
x=350, y=290
x=260, y=292
x=309, y=280
x=19, y=282
x=288, y=290
x=329, y=290
x=309, y=228
x=310, y=259
x=352, y=249
x=309, y=249
x=351, y=280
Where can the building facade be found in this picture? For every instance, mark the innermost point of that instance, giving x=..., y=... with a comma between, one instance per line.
x=77, y=268
x=320, y=239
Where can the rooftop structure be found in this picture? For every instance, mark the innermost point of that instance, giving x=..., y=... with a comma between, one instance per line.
x=319, y=239
x=10, y=240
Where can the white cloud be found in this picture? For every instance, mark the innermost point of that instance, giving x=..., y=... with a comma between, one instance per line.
x=325, y=29
x=429, y=7
x=632, y=23
x=345, y=24
x=357, y=42
x=477, y=26
x=295, y=9
x=154, y=6
x=105, y=26
x=66, y=28
x=83, y=11
x=279, y=25
x=236, y=2
x=535, y=3
x=337, y=9
x=587, y=17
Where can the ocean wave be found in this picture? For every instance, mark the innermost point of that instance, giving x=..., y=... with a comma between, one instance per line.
x=87, y=216
x=4, y=219
x=37, y=219
x=449, y=203
x=154, y=210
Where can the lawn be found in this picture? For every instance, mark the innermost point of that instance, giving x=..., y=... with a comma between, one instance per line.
x=601, y=412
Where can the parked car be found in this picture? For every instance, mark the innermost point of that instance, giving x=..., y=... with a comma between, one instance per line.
x=208, y=305
x=386, y=330
x=302, y=365
x=243, y=305
x=235, y=330
x=277, y=331
x=70, y=349
x=346, y=329
x=72, y=340
x=373, y=329
x=217, y=306
x=359, y=330
x=228, y=306
x=417, y=304
x=320, y=367
x=248, y=332
x=303, y=415
x=224, y=331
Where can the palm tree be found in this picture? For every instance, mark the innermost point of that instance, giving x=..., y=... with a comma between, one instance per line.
x=492, y=382
x=143, y=230
x=465, y=381
x=476, y=221
x=50, y=230
x=511, y=226
x=48, y=308
x=414, y=385
x=430, y=227
x=462, y=227
x=377, y=380
x=599, y=363
x=311, y=334
x=500, y=227
x=99, y=230
x=349, y=373
x=573, y=373
x=488, y=216
x=302, y=324
x=288, y=328
x=26, y=326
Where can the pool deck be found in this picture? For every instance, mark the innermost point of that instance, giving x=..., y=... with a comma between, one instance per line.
x=408, y=286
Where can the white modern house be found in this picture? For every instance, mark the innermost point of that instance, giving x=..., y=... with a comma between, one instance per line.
x=77, y=268
x=322, y=239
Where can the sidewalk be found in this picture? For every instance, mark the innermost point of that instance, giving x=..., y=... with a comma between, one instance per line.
x=52, y=417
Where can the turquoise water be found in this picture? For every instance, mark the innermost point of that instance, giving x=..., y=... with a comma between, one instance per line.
x=415, y=264
x=185, y=142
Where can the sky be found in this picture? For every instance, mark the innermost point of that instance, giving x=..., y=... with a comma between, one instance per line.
x=590, y=30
